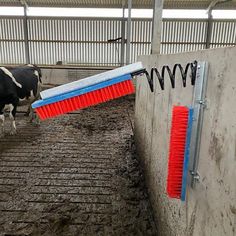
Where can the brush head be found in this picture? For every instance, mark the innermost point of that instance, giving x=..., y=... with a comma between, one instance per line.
x=177, y=145
x=84, y=100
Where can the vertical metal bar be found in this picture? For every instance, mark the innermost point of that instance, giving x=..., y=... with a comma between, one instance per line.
x=122, y=59
x=198, y=105
x=128, y=32
x=27, y=58
x=101, y=50
x=157, y=26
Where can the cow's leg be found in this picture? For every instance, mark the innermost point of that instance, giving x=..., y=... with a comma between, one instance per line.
x=33, y=117
x=2, y=120
x=12, y=116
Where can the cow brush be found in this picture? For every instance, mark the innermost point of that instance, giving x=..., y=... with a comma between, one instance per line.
x=87, y=92
x=179, y=152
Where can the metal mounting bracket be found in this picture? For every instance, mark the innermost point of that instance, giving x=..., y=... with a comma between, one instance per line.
x=198, y=105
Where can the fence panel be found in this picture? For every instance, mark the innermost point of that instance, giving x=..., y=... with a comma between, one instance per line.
x=12, y=47
x=85, y=41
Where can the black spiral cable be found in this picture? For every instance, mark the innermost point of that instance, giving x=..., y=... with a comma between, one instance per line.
x=161, y=76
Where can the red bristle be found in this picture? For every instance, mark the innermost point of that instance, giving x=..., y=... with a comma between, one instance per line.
x=75, y=103
x=66, y=107
x=114, y=91
x=52, y=110
x=95, y=98
x=127, y=87
x=96, y=94
x=109, y=92
x=86, y=100
x=71, y=104
x=105, y=95
x=100, y=97
x=48, y=111
x=91, y=98
x=68, y=104
x=81, y=99
x=62, y=105
x=56, y=111
x=176, y=151
x=45, y=110
x=59, y=106
x=40, y=113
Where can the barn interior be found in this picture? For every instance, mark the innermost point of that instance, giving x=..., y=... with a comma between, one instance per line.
x=103, y=170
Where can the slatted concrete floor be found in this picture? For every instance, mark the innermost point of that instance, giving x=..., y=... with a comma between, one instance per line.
x=71, y=176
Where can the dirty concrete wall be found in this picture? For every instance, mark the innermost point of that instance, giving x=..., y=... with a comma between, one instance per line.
x=210, y=208
x=61, y=76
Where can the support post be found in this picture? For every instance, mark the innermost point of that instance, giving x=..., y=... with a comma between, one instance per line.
x=157, y=26
x=122, y=59
x=128, y=32
x=26, y=39
x=209, y=29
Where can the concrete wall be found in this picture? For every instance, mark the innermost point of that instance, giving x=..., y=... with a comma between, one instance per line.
x=62, y=76
x=210, y=208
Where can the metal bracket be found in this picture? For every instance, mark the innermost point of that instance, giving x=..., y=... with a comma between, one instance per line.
x=198, y=104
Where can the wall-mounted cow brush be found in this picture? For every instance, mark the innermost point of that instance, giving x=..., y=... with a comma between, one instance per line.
x=179, y=146
x=87, y=92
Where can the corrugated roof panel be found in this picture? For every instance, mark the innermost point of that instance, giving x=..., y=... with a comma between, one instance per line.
x=168, y=4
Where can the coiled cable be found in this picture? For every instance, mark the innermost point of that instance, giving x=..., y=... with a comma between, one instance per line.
x=172, y=74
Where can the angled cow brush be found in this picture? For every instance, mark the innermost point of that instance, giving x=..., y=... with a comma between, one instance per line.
x=86, y=92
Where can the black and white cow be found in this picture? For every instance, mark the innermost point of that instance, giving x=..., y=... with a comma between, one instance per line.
x=19, y=83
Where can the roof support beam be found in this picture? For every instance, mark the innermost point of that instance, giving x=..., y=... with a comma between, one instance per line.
x=157, y=26
x=128, y=32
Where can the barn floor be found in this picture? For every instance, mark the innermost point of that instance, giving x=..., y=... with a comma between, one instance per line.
x=74, y=175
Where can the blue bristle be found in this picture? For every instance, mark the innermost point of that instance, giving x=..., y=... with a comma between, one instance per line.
x=186, y=155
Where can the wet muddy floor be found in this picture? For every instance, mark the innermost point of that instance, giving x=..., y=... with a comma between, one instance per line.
x=77, y=174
